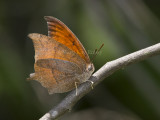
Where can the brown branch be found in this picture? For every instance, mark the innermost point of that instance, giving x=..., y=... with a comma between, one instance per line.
x=110, y=67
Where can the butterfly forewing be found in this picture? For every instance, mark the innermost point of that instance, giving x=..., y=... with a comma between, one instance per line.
x=61, y=33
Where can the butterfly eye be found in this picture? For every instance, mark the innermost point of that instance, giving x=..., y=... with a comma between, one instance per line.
x=90, y=67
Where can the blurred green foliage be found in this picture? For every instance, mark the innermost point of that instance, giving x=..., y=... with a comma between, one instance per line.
x=123, y=26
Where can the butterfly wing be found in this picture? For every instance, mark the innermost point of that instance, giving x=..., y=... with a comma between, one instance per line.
x=51, y=62
x=61, y=33
x=63, y=72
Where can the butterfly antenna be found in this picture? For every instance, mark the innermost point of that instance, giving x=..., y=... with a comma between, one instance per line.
x=96, y=52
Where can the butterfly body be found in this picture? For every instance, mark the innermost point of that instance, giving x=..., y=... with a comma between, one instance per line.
x=60, y=59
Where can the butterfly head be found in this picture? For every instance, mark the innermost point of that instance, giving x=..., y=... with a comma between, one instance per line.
x=90, y=68
x=87, y=73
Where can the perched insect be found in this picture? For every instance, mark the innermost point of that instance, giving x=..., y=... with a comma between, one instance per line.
x=61, y=62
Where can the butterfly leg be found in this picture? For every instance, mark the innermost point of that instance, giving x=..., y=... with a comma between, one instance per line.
x=91, y=83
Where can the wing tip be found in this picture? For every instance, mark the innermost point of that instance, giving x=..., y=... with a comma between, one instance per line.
x=36, y=36
x=33, y=35
x=50, y=19
x=31, y=77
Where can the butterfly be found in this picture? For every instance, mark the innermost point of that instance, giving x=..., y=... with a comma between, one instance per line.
x=61, y=62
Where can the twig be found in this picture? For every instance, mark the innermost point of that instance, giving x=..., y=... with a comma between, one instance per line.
x=110, y=67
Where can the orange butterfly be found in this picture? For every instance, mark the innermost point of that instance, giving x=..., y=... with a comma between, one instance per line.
x=61, y=61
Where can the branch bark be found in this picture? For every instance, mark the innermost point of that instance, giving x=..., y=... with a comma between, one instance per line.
x=110, y=67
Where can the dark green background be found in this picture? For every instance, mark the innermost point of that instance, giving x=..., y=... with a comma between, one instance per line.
x=124, y=26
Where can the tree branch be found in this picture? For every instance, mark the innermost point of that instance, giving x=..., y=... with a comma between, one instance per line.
x=110, y=67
